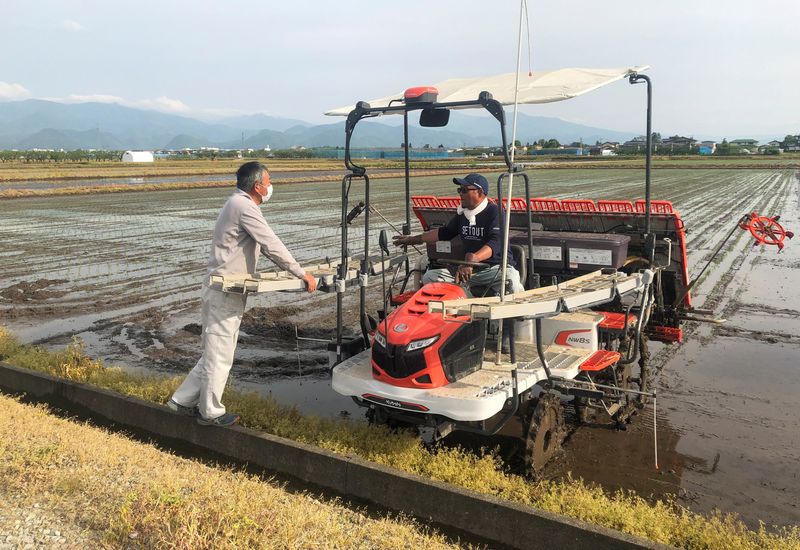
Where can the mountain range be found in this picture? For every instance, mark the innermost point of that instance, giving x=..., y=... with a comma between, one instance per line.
x=36, y=123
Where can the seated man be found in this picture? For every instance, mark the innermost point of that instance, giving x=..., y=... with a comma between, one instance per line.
x=477, y=221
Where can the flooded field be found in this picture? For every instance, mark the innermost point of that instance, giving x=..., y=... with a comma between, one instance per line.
x=43, y=183
x=122, y=272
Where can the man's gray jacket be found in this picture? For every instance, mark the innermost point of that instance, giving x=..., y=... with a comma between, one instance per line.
x=241, y=232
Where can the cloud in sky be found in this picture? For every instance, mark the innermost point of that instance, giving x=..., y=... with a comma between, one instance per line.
x=72, y=26
x=95, y=98
x=163, y=103
x=715, y=71
x=12, y=92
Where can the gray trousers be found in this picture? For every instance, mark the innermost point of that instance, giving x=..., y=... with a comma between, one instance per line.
x=490, y=276
x=222, y=315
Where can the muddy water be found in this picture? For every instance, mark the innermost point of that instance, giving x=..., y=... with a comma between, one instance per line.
x=100, y=182
x=122, y=273
x=733, y=388
x=727, y=435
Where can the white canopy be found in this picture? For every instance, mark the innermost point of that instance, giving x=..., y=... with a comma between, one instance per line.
x=541, y=87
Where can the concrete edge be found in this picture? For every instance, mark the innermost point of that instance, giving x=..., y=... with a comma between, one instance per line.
x=483, y=516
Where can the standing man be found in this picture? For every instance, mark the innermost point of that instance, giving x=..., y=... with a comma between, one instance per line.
x=241, y=232
x=477, y=222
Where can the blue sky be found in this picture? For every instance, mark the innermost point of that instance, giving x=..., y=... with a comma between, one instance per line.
x=719, y=68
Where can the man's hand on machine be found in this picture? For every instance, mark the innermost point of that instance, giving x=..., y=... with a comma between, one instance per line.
x=403, y=240
x=311, y=282
x=463, y=274
x=465, y=271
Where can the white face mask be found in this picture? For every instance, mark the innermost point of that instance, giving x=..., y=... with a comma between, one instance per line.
x=265, y=198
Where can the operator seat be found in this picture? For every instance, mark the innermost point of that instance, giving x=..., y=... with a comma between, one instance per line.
x=520, y=257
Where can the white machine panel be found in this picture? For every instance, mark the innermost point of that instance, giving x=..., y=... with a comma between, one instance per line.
x=575, y=330
x=475, y=397
x=591, y=256
x=551, y=253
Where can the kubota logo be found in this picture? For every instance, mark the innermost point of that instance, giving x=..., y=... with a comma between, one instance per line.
x=402, y=327
x=571, y=338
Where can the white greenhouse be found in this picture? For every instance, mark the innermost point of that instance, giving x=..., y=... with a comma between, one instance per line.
x=137, y=156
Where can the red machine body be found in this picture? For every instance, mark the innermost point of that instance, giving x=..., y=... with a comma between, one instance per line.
x=600, y=217
x=421, y=349
x=421, y=94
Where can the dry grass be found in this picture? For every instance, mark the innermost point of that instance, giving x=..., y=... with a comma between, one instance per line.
x=20, y=171
x=15, y=171
x=132, y=494
x=663, y=521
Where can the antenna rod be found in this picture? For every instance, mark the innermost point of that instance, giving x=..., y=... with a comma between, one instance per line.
x=504, y=260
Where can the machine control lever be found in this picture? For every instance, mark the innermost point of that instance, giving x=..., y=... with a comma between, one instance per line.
x=355, y=212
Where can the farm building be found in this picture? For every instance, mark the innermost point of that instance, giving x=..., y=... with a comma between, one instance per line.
x=606, y=149
x=752, y=143
x=558, y=151
x=707, y=147
x=638, y=143
x=679, y=141
x=137, y=156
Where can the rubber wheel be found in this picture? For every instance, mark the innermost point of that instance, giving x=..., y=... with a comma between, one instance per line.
x=546, y=432
x=583, y=413
x=633, y=379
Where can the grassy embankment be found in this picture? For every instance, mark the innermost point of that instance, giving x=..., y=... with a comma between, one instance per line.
x=661, y=521
x=121, y=493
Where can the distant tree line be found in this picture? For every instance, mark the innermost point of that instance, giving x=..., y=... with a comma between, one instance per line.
x=724, y=148
x=290, y=153
x=256, y=153
x=82, y=155
x=78, y=155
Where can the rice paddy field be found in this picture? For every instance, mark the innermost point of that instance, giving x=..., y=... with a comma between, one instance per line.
x=121, y=271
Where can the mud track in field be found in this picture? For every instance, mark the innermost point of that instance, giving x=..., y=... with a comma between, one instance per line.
x=122, y=272
x=34, y=291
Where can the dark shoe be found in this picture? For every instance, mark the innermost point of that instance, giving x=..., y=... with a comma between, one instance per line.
x=174, y=406
x=227, y=419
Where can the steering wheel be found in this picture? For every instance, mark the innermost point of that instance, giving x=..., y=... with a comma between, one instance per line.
x=459, y=263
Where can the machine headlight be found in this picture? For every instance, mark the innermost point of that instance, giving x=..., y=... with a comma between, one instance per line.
x=380, y=339
x=419, y=344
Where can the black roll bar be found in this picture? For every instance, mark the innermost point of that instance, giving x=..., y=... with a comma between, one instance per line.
x=407, y=226
x=636, y=78
x=363, y=110
x=342, y=275
x=365, y=328
x=531, y=280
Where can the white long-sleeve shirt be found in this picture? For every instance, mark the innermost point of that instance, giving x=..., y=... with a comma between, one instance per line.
x=241, y=232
